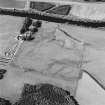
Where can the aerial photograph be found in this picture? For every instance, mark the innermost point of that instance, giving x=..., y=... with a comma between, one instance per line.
x=52, y=52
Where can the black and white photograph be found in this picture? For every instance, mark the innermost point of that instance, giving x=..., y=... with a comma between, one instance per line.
x=52, y=52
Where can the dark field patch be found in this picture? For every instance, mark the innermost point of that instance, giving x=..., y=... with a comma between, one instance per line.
x=41, y=6
x=4, y=102
x=44, y=94
x=60, y=10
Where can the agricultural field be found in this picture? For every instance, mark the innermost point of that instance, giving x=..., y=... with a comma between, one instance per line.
x=58, y=55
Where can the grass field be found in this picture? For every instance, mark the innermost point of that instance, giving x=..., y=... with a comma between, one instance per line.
x=9, y=29
x=10, y=24
x=12, y=3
